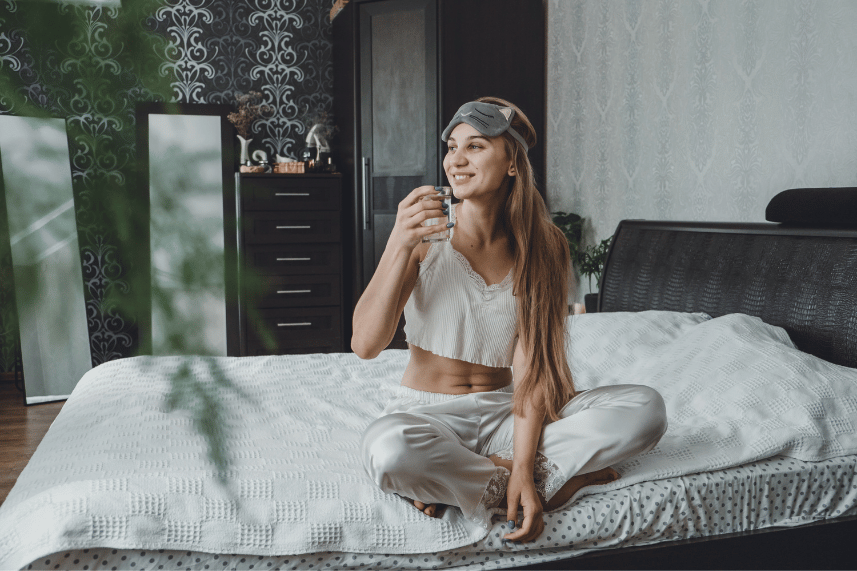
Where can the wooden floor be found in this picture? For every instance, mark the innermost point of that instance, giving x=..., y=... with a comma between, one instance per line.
x=21, y=429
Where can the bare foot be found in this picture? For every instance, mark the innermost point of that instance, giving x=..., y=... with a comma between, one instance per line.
x=603, y=476
x=431, y=510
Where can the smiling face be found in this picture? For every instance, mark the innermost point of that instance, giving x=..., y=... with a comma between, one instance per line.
x=475, y=164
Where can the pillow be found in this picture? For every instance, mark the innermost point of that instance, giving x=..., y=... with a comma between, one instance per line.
x=736, y=388
x=600, y=342
x=814, y=207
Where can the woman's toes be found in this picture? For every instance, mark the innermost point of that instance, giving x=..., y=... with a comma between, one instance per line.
x=430, y=510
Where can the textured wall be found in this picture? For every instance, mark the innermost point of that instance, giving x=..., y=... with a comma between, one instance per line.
x=697, y=109
x=86, y=70
x=280, y=48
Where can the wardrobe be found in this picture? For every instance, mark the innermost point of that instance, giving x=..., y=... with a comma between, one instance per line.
x=401, y=70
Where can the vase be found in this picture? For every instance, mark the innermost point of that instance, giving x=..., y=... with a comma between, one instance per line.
x=245, y=150
x=591, y=302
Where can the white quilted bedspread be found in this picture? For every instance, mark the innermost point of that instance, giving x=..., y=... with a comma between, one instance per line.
x=736, y=389
x=118, y=469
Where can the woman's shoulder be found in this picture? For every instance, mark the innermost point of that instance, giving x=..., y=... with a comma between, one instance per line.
x=421, y=251
x=427, y=252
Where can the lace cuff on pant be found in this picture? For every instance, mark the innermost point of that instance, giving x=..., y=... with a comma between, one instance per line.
x=496, y=488
x=494, y=492
x=547, y=476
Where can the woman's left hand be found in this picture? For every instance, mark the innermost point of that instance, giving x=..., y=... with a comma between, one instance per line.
x=521, y=492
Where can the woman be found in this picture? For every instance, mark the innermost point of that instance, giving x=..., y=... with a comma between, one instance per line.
x=464, y=429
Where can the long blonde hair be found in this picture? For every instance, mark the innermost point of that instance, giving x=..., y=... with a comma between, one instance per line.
x=540, y=279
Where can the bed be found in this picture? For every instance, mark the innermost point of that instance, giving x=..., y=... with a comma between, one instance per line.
x=749, y=331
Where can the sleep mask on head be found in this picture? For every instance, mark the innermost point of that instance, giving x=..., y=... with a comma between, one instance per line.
x=489, y=119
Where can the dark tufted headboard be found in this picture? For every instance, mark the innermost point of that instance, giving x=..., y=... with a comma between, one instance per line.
x=801, y=279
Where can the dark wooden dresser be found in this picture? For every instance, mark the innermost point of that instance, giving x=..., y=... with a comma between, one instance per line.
x=290, y=263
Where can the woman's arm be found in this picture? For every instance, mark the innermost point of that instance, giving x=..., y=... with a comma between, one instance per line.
x=377, y=313
x=521, y=491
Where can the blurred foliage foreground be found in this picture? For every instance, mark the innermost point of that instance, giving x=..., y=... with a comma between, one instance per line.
x=90, y=66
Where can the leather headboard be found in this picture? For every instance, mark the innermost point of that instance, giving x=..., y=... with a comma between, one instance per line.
x=801, y=279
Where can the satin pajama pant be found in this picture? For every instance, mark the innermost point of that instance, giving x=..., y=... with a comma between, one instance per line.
x=434, y=447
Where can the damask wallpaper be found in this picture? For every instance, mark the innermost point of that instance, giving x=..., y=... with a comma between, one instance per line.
x=92, y=65
x=697, y=109
x=280, y=48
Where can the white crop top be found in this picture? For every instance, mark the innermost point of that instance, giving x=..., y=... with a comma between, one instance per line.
x=453, y=313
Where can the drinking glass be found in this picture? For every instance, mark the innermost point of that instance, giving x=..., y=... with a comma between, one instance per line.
x=443, y=235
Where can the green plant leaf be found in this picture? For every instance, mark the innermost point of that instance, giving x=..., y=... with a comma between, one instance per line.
x=571, y=225
x=590, y=261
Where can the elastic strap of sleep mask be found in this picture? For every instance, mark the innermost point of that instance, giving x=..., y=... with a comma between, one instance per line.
x=489, y=119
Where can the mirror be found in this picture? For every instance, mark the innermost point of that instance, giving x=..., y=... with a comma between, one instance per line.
x=46, y=262
x=187, y=166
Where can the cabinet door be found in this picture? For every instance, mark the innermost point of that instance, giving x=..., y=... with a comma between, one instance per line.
x=398, y=113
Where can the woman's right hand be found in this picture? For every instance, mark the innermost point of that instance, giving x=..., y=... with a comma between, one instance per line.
x=421, y=204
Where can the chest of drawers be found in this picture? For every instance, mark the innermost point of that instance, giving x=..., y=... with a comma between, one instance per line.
x=290, y=263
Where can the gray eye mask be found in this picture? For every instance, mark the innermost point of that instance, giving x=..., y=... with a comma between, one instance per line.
x=489, y=119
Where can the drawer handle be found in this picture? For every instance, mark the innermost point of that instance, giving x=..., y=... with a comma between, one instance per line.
x=291, y=194
x=293, y=227
x=367, y=181
x=294, y=259
x=294, y=291
x=294, y=324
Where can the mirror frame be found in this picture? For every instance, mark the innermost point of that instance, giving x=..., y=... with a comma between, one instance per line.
x=20, y=380
x=142, y=249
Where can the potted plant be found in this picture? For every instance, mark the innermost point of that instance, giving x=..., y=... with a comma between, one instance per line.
x=588, y=261
x=571, y=225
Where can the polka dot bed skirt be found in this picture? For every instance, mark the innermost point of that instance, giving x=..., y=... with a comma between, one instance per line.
x=779, y=491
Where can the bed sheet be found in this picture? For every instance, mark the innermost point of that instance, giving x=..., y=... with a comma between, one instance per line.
x=120, y=469
x=790, y=492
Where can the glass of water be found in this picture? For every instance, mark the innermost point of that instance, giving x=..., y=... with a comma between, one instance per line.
x=443, y=235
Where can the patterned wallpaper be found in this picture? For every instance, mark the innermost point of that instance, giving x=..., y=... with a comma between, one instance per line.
x=280, y=48
x=697, y=109
x=91, y=65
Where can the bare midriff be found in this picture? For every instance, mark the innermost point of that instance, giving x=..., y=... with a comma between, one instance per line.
x=435, y=374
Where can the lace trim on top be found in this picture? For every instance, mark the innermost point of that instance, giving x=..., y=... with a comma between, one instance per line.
x=468, y=269
x=480, y=281
x=547, y=476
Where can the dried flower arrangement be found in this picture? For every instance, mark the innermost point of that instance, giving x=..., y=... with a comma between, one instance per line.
x=250, y=108
x=321, y=117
